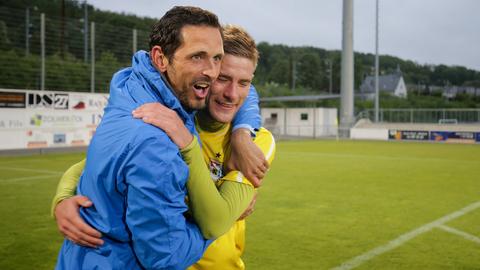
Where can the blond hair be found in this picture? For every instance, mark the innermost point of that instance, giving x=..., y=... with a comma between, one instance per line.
x=237, y=42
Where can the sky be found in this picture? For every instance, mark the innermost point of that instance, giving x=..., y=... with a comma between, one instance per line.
x=424, y=31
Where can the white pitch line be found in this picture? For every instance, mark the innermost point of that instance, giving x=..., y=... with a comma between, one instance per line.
x=356, y=261
x=460, y=233
x=27, y=178
x=28, y=170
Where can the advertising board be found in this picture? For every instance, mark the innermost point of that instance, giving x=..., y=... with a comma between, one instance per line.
x=12, y=100
x=453, y=136
x=409, y=135
x=39, y=119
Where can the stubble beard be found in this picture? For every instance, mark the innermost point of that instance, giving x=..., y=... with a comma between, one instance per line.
x=189, y=103
x=183, y=92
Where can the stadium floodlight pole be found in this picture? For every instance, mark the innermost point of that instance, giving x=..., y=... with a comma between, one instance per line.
x=85, y=32
x=27, y=31
x=92, y=59
x=134, y=41
x=294, y=74
x=346, y=87
x=330, y=76
x=42, y=46
x=377, y=91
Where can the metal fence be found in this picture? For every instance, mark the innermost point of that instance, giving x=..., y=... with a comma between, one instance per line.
x=39, y=52
x=439, y=116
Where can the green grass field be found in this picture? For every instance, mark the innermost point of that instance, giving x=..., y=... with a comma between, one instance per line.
x=323, y=204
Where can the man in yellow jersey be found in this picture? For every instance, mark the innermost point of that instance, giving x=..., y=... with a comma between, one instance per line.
x=227, y=94
x=213, y=126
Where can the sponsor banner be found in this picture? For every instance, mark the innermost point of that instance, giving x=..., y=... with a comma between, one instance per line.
x=88, y=102
x=95, y=120
x=453, y=136
x=80, y=137
x=394, y=135
x=78, y=143
x=37, y=139
x=33, y=119
x=62, y=119
x=409, y=135
x=59, y=138
x=477, y=137
x=54, y=138
x=52, y=119
x=13, y=139
x=13, y=119
x=47, y=100
x=37, y=144
x=12, y=100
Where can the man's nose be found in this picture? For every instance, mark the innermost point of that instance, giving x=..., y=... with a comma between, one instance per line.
x=231, y=92
x=211, y=69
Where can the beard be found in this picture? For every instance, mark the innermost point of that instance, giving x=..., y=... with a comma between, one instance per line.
x=184, y=90
x=189, y=101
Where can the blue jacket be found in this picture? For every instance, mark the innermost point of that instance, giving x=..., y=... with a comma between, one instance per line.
x=135, y=177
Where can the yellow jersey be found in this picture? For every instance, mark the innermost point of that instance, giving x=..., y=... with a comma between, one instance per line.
x=226, y=251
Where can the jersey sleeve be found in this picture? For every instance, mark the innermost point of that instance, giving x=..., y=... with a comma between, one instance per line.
x=248, y=116
x=265, y=141
x=68, y=184
x=215, y=211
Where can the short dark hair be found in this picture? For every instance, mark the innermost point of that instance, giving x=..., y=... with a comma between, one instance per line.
x=166, y=33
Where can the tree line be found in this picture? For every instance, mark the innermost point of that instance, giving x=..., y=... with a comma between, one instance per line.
x=282, y=70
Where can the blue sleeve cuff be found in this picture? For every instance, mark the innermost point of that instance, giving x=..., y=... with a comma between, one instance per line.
x=253, y=131
x=248, y=116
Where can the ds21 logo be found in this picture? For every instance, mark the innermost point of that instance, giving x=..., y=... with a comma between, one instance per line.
x=48, y=100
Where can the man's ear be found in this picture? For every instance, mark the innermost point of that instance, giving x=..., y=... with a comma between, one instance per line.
x=159, y=59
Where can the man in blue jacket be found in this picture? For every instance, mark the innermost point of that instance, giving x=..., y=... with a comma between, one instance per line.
x=134, y=173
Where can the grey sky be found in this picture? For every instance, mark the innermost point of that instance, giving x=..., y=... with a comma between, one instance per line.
x=425, y=31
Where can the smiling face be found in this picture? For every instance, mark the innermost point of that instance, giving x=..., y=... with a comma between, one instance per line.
x=231, y=87
x=194, y=65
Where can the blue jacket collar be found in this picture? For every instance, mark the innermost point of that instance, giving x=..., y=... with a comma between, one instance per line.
x=142, y=67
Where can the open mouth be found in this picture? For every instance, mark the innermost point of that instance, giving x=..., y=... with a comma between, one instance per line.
x=201, y=89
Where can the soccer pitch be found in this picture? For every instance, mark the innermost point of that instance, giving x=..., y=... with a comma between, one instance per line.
x=324, y=204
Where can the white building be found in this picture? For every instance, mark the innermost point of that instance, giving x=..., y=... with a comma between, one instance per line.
x=391, y=83
x=453, y=91
x=303, y=122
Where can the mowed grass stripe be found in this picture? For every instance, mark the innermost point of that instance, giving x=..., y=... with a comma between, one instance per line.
x=390, y=149
x=29, y=170
x=355, y=262
x=354, y=156
x=28, y=178
x=317, y=211
x=313, y=212
x=29, y=237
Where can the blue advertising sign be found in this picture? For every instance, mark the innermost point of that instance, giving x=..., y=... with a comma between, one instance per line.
x=453, y=136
